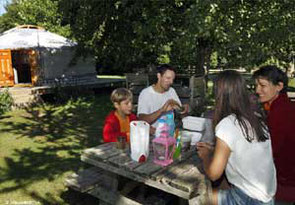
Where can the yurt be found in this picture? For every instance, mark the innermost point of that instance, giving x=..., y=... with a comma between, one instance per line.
x=30, y=55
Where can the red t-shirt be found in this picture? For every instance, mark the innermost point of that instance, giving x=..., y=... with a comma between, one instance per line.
x=116, y=126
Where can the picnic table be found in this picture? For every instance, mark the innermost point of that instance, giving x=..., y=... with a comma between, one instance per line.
x=183, y=178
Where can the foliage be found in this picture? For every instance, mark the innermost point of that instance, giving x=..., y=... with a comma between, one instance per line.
x=6, y=101
x=42, y=13
x=127, y=34
x=257, y=31
x=292, y=82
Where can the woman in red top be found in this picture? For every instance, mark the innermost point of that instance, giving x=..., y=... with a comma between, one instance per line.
x=271, y=87
x=117, y=123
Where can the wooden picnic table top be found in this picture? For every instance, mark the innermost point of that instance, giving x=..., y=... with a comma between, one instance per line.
x=181, y=178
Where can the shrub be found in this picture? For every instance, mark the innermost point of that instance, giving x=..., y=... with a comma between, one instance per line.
x=6, y=101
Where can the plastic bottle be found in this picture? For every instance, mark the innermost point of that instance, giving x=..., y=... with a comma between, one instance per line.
x=171, y=123
x=177, y=151
x=161, y=125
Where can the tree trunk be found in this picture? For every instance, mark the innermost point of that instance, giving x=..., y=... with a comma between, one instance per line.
x=203, y=56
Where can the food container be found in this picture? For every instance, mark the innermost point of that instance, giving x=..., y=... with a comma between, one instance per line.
x=194, y=123
x=185, y=140
x=196, y=137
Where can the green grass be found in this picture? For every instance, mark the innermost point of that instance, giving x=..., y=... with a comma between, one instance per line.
x=292, y=82
x=40, y=146
x=111, y=76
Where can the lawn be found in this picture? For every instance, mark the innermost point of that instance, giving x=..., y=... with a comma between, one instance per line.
x=41, y=145
x=292, y=82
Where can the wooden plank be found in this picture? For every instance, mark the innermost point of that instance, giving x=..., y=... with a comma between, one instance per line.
x=188, y=180
x=102, y=152
x=187, y=177
x=131, y=165
x=111, y=168
x=87, y=179
x=148, y=168
x=127, y=163
x=123, y=160
x=120, y=159
x=135, y=176
x=170, y=169
x=183, y=176
x=173, y=172
x=99, y=148
x=110, y=196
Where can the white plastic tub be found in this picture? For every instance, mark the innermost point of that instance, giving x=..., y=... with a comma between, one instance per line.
x=194, y=123
x=196, y=137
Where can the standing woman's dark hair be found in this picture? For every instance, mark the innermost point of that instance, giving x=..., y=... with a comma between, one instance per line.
x=273, y=74
x=232, y=97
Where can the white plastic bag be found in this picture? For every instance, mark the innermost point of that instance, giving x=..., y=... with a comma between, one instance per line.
x=139, y=140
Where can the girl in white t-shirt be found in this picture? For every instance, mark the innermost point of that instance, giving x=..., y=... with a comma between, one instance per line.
x=243, y=147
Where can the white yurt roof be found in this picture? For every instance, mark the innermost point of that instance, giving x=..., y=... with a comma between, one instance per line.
x=32, y=37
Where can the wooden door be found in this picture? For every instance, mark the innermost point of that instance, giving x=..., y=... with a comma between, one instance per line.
x=6, y=71
x=34, y=64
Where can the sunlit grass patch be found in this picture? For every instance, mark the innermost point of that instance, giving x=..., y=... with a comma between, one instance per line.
x=41, y=145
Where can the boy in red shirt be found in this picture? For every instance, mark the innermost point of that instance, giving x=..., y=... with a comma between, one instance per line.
x=117, y=123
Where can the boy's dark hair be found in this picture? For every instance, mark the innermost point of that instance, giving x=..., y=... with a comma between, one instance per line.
x=273, y=74
x=162, y=68
x=120, y=94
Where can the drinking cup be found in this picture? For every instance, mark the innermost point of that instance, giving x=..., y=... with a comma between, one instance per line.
x=121, y=142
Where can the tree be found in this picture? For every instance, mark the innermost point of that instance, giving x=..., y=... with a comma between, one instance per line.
x=257, y=31
x=126, y=34
x=42, y=13
x=131, y=34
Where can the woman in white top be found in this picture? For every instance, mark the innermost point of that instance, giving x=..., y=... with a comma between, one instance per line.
x=243, y=147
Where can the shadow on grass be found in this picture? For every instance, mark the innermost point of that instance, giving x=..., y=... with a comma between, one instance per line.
x=59, y=134
x=76, y=198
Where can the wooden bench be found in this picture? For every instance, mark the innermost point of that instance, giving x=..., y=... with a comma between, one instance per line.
x=88, y=179
x=104, y=185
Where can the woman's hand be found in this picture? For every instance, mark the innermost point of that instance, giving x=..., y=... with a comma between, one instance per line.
x=204, y=150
